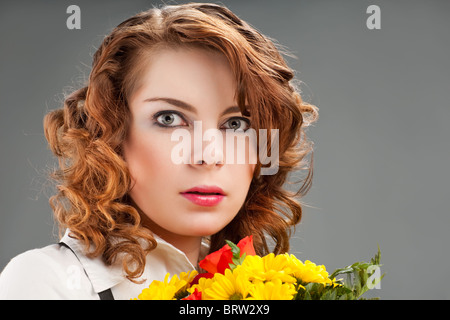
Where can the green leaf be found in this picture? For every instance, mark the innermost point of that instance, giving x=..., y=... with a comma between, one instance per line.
x=234, y=249
x=237, y=258
x=345, y=270
x=358, y=276
x=307, y=296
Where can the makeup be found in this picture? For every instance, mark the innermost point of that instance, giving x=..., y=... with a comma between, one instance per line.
x=206, y=196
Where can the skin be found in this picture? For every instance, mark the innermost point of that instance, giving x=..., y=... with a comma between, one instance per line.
x=204, y=80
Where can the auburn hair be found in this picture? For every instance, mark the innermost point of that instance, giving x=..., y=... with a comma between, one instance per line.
x=87, y=133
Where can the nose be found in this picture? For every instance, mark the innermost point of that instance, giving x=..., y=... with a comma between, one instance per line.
x=207, y=147
x=209, y=164
x=209, y=161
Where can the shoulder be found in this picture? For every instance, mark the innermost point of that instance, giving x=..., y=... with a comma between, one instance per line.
x=52, y=272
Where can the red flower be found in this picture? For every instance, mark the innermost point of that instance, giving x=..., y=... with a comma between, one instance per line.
x=201, y=275
x=246, y=246
x=217, y=261
x=196, y=295
x=221, y=259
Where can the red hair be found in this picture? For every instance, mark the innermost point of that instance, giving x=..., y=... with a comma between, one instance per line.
x=87, y=133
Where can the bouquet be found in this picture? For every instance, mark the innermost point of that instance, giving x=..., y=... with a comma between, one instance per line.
x=235, y=272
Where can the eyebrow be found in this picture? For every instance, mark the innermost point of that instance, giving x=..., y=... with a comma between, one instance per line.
x=188, y=107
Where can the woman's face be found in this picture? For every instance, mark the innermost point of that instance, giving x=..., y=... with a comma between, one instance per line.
x=180, y=86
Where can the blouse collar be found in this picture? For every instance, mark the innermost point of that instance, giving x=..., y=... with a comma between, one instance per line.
x=104, y=277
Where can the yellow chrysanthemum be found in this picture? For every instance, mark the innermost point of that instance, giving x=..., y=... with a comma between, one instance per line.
x=233, y=285
x=308, y=271
x=168, y=290
x=188, y=276
x=203, y=284
x=268, y=268
x=272, y=290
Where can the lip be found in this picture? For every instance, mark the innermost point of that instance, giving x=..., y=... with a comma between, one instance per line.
x=206, y=196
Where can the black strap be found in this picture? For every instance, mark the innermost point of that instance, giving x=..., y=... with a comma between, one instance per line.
x=104, y=295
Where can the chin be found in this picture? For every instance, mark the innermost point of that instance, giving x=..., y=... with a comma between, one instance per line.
x=204, y=228
x=203, y=231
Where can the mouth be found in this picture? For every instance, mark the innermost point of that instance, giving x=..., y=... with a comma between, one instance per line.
x=205, y=196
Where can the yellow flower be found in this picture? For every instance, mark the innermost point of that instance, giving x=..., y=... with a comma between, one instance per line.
x=188, y=276
x=168, y=290
x=268, y=268
x=233, y=285
x=203, y=284
x=272, y=290
x=308, y=272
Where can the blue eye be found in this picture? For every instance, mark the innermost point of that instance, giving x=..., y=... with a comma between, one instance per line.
x=237, y=123
x=169, y=119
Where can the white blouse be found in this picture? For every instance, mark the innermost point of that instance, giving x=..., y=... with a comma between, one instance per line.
x=54, y=272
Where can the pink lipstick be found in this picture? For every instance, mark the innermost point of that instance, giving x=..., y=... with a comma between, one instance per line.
x=206, y=196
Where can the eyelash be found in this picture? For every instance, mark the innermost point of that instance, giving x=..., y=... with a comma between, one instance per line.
x=160, y=113
x=165, y=112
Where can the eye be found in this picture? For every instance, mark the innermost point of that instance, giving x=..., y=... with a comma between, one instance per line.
x=169, y=119
x=237, y=123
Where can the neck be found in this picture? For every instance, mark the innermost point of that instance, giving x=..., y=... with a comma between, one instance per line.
x=189, y=245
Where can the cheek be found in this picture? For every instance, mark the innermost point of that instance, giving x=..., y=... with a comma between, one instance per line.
x=244, y=164
x=248, y=173
x=239, y=176
x=148, y=158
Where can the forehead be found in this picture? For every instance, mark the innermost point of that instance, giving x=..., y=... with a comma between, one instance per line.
x=191, y=74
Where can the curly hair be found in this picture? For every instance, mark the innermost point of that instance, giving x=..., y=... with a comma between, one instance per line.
x=87, y=133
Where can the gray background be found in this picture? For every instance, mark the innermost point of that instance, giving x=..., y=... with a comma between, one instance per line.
x=382, y=146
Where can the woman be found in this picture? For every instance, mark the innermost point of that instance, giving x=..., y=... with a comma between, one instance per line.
x=129, y=212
